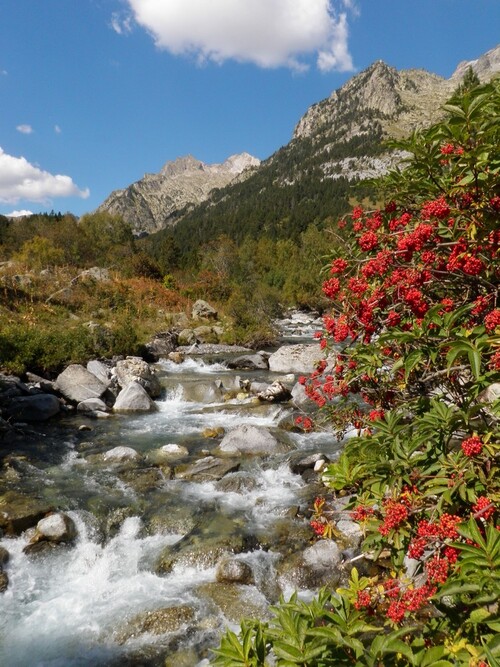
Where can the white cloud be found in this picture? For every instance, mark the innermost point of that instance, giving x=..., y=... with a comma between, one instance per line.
x=24, y=129
x=268, y=33
x=19, y=179
x=18, y=214
x=57, y=129
x=3, y=72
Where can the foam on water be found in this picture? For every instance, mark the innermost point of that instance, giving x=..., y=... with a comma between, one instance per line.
x=62, y=609
x=276, y=490
x=192, y=365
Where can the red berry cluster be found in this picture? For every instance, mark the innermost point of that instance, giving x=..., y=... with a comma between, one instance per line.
x=395, y=599
x=472, y=446
x=484, y=508
x=394, y=515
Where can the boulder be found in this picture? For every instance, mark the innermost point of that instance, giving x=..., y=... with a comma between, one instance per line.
x=163, y=344
x=156, y=622
x=300, y=464
x=135, y=369
x=236, y=601
x=100, y=370
x=351, y=531
x=172, y=451
x=300, y=398
x=316, y=566
x=253, y=362
x=95, y=273
x=202, y=392
x=298, y=358
x=134, y=398
x=187, y=337
x=249, y=439
x=238, y=482
x=18, y=512
x=233, y=570
x=57, y=527
x=4, y=557
x=121, y=455
x=205, y=334
x=4, y=581
x=142, y=480
x=205, y=545
x=203, y=311
x=92, y=405
x=207, y=469
x=35, y=408
x=77, y=384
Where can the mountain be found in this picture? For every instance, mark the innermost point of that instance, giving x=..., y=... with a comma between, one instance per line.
x=336, y=145
x=153, y=202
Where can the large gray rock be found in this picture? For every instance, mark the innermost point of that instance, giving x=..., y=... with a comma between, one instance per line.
x=203, y=311
x=318, y=565
x=100, y=370
x=134, y=398
x=202, y=392
x=135, y=369
x=92, y=405
x=250, y=361
x=77, y=384
x=233, y=570
x=35, y=408
x=121, y=454
x=236, y=601
x=249, y=439
x=207, y=469
x=299, y=358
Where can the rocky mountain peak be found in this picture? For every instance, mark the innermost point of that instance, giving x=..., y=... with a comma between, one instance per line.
x=486, y=66
x=152, y=202
x=181, y=165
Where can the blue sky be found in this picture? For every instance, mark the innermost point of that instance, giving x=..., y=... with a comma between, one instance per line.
x=95, y=93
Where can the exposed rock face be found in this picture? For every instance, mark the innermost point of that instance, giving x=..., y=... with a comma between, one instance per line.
x=486, y=66
x=152, y=202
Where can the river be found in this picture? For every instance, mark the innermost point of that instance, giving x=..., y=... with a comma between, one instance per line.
x=81, y=605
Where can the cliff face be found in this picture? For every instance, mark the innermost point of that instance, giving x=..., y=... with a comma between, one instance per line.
x=151, y=203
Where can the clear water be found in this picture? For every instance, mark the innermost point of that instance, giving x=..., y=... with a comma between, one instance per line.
x=67, y=608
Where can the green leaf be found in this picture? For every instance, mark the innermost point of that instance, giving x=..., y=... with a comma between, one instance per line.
x=478, y=615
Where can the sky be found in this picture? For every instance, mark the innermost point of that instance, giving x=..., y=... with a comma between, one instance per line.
x=96, y=93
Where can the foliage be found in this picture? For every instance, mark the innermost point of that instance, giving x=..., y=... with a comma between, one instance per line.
x=415, y=314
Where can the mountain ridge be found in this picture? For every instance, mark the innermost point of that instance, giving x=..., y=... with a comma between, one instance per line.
x=337, y=142
x=151, y=202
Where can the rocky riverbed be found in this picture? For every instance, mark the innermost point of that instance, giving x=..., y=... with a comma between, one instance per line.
x=159, y=503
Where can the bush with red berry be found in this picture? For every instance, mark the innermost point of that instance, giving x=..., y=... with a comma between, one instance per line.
x=415, y=323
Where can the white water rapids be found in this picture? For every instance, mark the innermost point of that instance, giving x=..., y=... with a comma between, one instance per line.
x=69, y=607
